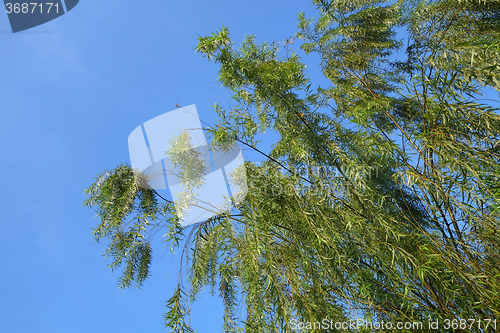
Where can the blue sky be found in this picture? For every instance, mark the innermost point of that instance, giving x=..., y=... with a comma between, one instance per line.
x=71, y=91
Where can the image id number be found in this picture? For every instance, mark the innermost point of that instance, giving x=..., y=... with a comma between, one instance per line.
x=32, y=7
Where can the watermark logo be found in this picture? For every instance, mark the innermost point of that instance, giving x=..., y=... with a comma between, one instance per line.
x=171, y=151
x=25, y=15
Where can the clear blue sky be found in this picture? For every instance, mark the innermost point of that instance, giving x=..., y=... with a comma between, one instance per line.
x=71, y=91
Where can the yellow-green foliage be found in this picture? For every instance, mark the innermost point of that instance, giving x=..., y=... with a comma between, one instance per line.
x=381, y=197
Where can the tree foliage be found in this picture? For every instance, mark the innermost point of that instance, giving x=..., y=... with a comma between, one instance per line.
x=380, y=198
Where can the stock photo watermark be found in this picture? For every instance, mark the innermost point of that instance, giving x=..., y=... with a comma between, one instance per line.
x=171, y=152
x=446, y=324
x=24, y=15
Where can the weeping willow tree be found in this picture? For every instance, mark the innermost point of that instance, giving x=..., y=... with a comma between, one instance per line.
x=380, y=200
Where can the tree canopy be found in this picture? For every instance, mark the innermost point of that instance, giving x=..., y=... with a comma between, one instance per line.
x=380, y=199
